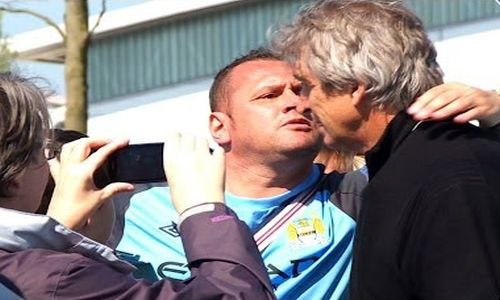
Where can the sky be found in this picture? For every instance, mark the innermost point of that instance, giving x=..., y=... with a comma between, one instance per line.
x=13, y=24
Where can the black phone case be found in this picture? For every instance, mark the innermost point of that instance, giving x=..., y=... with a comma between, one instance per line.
x=136, y=163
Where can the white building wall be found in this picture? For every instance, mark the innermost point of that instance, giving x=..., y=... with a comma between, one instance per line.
x=470, y=53
x=185, y=108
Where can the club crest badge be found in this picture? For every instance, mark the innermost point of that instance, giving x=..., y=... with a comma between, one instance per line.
x=306, y=232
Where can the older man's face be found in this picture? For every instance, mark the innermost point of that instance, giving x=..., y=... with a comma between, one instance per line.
x=335, y=110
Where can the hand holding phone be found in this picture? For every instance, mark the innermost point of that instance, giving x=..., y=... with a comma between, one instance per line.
x=195, y=173
x=76, y=197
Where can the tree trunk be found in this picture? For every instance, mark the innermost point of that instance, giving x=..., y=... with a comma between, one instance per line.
x=75, y=70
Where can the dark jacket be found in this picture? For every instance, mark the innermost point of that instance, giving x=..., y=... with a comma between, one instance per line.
x=430, y=223
x=221, y=252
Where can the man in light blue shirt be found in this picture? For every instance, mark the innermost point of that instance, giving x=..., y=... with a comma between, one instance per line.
x=271, y=180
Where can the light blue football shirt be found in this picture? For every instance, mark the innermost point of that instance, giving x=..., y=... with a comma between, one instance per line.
x=309, y=259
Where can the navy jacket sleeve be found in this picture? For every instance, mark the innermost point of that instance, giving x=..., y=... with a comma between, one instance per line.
x=222, y=255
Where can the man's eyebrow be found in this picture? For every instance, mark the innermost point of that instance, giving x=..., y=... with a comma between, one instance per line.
x=300, y=78
x=268, y=88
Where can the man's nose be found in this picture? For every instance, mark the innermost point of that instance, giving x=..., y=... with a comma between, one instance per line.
x=303, y=105
x=295, y=101
x=291, y=101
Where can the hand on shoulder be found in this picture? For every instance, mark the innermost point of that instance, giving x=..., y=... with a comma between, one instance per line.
x=460, y=101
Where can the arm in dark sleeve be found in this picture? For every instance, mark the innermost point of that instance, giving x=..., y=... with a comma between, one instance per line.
x=218, y=244
x=456, y=248
x=347, y=194
x=222, y=255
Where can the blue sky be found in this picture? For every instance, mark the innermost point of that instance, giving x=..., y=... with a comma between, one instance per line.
x=18, y=23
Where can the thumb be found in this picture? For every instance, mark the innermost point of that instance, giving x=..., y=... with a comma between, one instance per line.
x=115, y=188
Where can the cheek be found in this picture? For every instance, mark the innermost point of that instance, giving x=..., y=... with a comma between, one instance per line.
x=35, y=183
x=320, y=110
x=327, y=123
x=37, y=179
x=318, y=102
x=44, y=176
x=41, y=180
x=253, y=117
x=330, y=132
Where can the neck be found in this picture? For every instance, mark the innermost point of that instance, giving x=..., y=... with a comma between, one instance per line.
x=254, y=178
x=334, y=160
x=374, y=128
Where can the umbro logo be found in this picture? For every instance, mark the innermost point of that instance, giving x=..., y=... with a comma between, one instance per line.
x=171, y=230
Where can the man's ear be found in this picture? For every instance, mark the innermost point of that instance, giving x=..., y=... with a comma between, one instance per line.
x=219, y=128
x=358, y=96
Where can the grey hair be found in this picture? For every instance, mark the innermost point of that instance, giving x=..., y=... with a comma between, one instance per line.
x=379, y=44
x=23, y=122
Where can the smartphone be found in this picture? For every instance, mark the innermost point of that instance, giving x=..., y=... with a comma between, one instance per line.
x=136, y=163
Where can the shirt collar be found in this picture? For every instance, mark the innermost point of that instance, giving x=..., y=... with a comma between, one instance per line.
x=395, y=133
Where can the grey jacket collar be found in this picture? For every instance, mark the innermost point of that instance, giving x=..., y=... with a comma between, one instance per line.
x=21, y=231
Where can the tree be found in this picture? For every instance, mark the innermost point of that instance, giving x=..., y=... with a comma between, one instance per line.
x=5, y=55
x=76, y=38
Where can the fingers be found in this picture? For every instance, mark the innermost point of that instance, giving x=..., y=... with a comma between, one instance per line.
x=171, y=145
x=456, y=106
x=170, y=149
x=468, y=115
x=76, y=197
x=97, y=158
x=422, y=101
x=78, y=150
x=186, y=143
x=201, y=148
x=114, y=188
x=179, y=146
x=462, y=102
x=439, y=97
x=188, y=163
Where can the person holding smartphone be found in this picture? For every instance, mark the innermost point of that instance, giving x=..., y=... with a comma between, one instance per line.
x=41, y=256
